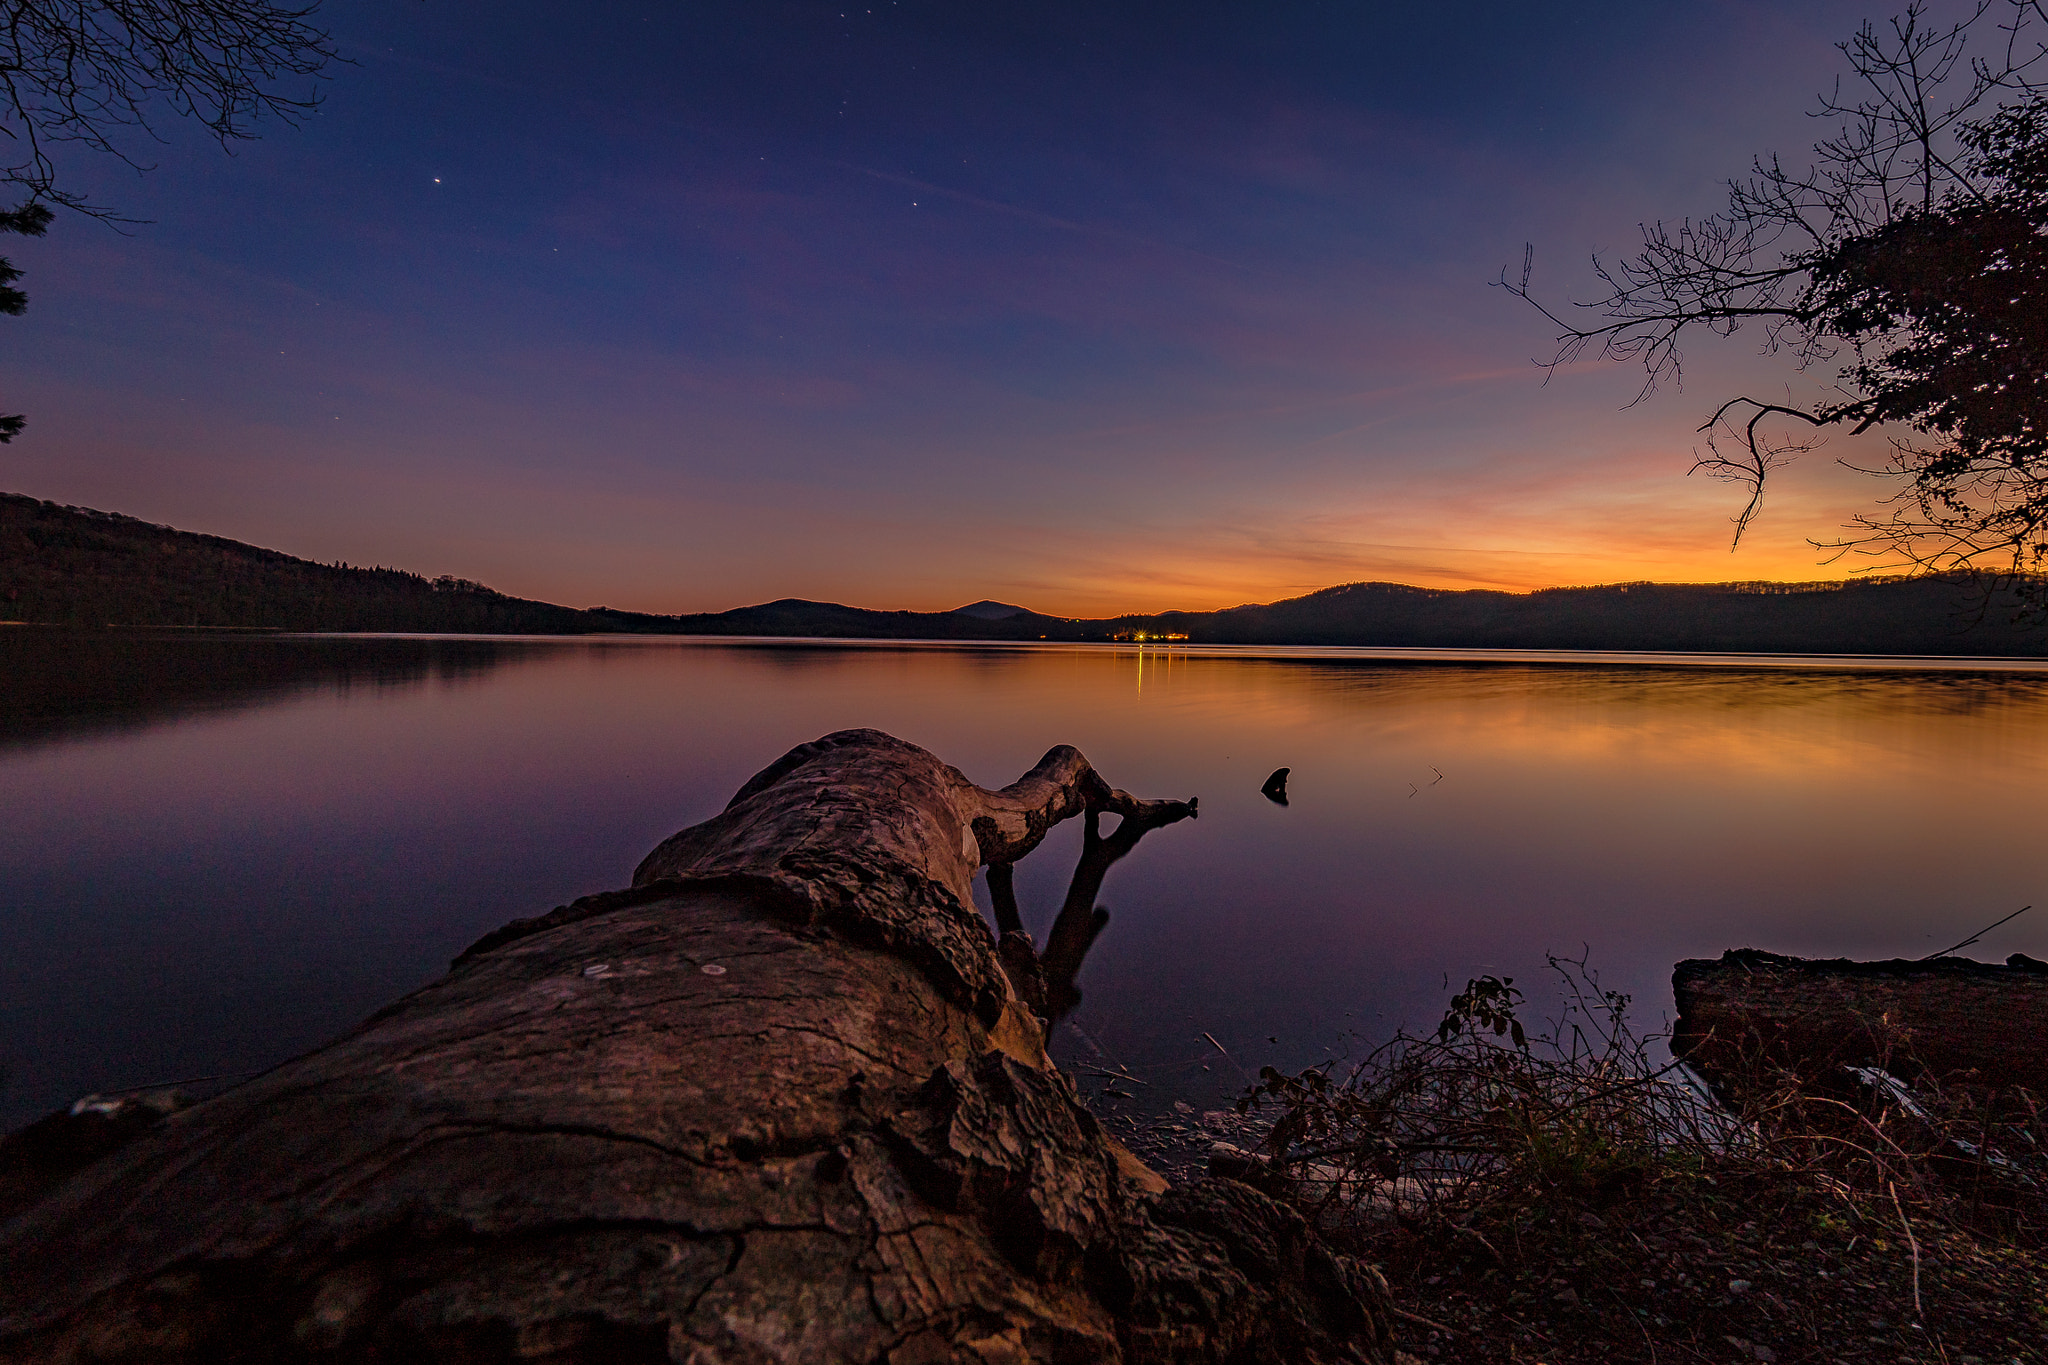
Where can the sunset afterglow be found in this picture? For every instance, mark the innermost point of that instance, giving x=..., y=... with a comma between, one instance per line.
x=1103, y=309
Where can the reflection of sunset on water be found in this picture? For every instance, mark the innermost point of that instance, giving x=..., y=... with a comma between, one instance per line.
x=264, y=854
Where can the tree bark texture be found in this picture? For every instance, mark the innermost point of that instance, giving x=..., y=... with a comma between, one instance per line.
x=1952, y=1018
x=778, y=1101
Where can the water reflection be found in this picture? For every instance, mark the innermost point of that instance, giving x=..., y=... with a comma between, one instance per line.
x=215, y=853
x=1048, y=981
x=63, y=682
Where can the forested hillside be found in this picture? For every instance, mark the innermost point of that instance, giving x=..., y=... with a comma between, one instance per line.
x=1933, y=615
x=1928, y=615
x=75, y=566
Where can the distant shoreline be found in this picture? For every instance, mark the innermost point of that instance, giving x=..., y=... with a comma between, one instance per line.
x=78, y=567
x=1503, y=656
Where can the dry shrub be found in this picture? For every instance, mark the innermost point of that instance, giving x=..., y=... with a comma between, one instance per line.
x=1467, y=1131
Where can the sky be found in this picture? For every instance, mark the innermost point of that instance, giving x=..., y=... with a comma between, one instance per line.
x=1092, y=306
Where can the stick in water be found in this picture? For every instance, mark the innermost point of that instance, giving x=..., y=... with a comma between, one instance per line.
x=1226, y=1053
x=1979, y=934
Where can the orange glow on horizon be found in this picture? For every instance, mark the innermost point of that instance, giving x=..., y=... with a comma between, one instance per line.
x=1229, y=526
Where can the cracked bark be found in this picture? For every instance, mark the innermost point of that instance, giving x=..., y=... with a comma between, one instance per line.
x=583, y=1145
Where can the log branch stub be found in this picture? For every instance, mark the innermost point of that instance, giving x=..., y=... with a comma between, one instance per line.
x=776, y=1102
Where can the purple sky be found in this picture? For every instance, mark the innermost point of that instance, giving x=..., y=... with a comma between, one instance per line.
x=1088, y=306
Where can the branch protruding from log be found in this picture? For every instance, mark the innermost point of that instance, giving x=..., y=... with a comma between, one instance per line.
x=1002, y=897
x=1045, y=982
x=1013, y=821
x=870, y=797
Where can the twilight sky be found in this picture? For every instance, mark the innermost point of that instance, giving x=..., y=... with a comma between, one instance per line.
x=1091, y=306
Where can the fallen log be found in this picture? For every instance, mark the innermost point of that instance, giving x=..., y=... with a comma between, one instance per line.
x=777, y=1101
x=1946, y=1018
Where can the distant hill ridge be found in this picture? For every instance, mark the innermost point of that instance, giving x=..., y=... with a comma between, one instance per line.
x=77, y=566
x=986, y=610
x=1927, y=615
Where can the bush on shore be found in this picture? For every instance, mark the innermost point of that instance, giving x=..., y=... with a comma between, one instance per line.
x=1565, y=1194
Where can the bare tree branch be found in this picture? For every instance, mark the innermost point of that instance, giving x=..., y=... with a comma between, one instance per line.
x=100, y=72
x=1758, y=456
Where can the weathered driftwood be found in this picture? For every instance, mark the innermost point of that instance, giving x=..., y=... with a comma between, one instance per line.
x=1947, y=1017
x=777, y=1101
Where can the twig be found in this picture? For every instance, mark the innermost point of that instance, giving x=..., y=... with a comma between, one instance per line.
x=1528, y=1327
x=1226, y=1053
x=1418, y=1318
x=189, y=1080
x=1919, y=1314
x=1392, y=1145
x=1474, y=1234
x=1629, y=1313
x=1979, y=934
x=1112, y=1075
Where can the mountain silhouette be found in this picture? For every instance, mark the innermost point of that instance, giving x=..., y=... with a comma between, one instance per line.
x=75, y=566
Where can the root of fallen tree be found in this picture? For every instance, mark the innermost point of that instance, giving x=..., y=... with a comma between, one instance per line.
x=778, y=1101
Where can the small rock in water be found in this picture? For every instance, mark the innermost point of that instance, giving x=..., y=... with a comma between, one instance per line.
x=712, y=969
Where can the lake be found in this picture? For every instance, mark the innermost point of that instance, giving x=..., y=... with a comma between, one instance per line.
x=216, y=852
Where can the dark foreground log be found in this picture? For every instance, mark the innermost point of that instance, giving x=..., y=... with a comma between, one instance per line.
x=1948, y=1018
x=777, y=1101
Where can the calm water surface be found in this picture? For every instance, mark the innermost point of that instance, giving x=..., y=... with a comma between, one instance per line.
x=216, y=853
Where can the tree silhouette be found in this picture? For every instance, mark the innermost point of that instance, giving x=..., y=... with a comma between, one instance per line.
x=30, y=220
x=1910, y=258
x=103, y=72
